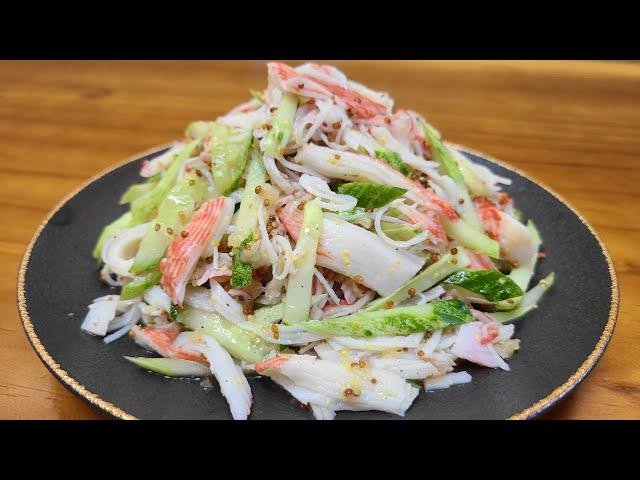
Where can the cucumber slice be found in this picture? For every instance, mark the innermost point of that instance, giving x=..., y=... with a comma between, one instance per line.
x=491, y=285
x=198, y=130
x=297, y=300
x=371, y=195
x=529, y=301
x=173, y=214
x=247, y=217
x=171, y=367
x=143, y=208
x=281, y=126
x=399, y=232
x=110, y=230
x=229, y=150
x=240, y=343
x=396, y=321
x=274, y=313
x=470, y=237
x=140, y=285
x=442, y=155
x=429, y=277
x=136, y=191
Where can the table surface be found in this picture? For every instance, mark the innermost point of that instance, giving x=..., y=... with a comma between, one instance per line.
x=572, y=125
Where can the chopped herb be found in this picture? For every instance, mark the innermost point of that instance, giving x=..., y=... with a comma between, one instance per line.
x=241, y=272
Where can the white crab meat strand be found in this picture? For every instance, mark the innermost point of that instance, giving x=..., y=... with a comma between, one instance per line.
x=161, y=162
x=447, y=380
x=120, y=249
x=379, y=344
x=352, y=386
x=232, y=381
x=468, y=346
x=348, y=249
x=100, y=313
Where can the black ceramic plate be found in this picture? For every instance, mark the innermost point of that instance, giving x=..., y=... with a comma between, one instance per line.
x=561, y=340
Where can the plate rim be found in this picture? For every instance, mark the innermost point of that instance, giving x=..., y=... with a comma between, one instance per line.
x=104, y=406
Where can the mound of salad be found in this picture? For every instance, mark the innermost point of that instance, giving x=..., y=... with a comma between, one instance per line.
x=317, y=237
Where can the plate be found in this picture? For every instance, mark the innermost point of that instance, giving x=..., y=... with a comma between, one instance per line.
x=560, y=341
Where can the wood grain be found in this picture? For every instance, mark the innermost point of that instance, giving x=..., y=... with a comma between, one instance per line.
x=572, y=125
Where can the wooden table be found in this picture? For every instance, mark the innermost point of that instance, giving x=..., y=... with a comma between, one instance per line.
x=573, y=125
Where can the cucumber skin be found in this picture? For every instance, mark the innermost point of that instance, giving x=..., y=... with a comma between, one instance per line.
x=370, y=195
x=393, y=159
x=490, y=284
x=182, y=198
x=240, y=343
x=395, y=321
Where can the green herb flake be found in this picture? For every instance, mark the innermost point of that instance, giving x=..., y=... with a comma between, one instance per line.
x=241, y=272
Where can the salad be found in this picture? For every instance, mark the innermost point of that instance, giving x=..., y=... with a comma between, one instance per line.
x=317, y=237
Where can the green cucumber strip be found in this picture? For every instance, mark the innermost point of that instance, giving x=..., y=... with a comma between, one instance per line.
x=114, y=227
x=174, y=212
x=395, y=321
x=229, y=152
x=529, y=301
x=424, y=280
x=442, y=155
x=142, y=208
x=393, y=159
x=471, y=179
x=297, y=300
x=140, y=285
x=198, y=130
x=247, y=217
x=240, y=343
x=470, y=237
x=135, y=191
x=504, y=317
x=398, y=231
x=491, y=285
x=281, y=126
x=371, y=195
x=274, y=313
x=171, y=367
x=451, y=167
x=356, y=216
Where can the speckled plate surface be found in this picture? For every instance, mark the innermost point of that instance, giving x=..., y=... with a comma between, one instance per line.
x=560, y=341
